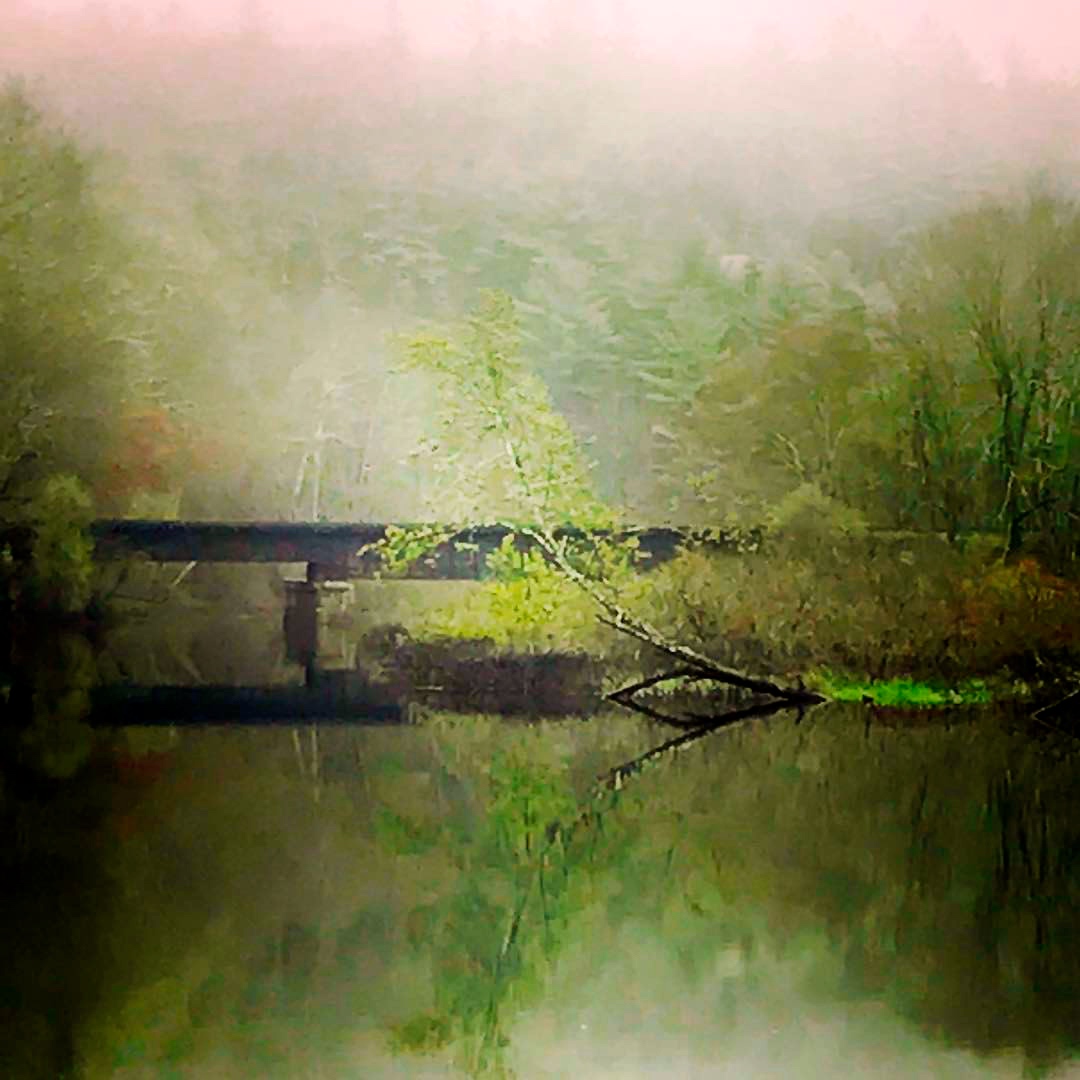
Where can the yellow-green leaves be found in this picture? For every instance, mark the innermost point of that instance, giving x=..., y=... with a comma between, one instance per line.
x=504, y=452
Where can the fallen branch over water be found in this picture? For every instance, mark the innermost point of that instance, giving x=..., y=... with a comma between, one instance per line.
x=619, y=618
x=614, y=779
x=1055, y=709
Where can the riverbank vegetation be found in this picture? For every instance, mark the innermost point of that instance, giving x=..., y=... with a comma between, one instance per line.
x=823, y=592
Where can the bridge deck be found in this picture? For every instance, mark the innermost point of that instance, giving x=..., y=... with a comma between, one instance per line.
x=333, y=549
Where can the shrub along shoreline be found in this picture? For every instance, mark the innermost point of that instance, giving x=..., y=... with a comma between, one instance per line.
x=893, y=620
x=926, y=625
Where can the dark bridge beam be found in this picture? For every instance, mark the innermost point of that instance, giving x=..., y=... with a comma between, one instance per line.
x=331, y=549
x=222, y=541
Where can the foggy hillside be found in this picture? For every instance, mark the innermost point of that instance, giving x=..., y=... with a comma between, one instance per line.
x=293, y=205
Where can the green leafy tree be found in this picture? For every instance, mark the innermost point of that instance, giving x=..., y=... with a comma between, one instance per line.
x=101, y=320
x=793, y=406
x=501, y=451
x=62, y=356
x=62, y=566
x=989, y=329
x=506, y=450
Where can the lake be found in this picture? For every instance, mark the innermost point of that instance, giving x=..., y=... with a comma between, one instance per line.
x=846, y=891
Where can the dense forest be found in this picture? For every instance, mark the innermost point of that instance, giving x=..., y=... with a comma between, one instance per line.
x=754, y=300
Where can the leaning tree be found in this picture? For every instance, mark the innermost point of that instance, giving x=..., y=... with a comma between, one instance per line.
x=501, y=451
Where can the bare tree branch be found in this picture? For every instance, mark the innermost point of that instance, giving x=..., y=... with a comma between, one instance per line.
x=617, y=617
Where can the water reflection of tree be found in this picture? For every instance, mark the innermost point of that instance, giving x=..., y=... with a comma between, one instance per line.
x=54, y=887
x=777, y=871
x=936, y=870
x=494, y=941
x=933, y=870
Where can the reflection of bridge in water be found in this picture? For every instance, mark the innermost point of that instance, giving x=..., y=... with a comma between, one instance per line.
x=333, y=697
x=333, y=553
x=523, y=685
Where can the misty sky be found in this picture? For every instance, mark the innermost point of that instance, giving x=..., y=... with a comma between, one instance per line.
x=1045, y=33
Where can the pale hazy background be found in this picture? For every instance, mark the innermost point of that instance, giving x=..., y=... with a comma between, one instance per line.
x=999, y=34
x=316, y=177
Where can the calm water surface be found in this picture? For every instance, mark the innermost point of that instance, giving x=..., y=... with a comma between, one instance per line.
x=849, y=894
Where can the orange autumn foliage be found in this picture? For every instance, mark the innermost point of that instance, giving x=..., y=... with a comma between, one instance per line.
x=1022, y=606
x=145, y=454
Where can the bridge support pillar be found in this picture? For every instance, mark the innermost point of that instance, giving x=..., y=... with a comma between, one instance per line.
x=303, y=600
x=301, y=621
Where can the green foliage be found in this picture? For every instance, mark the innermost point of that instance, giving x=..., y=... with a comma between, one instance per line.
x=56, y=301
x=807, y=515
x=58, y=741
x=96, y=313
x=401, y=836
x=420, y=1034
x=62, y=567
x=403, y=546
x=882, y=605
x=503, y=452
x=901, y=692
x=988, y=330
x=793, y=404
x=527, y=604
x=945, y=401
x=884, y=608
